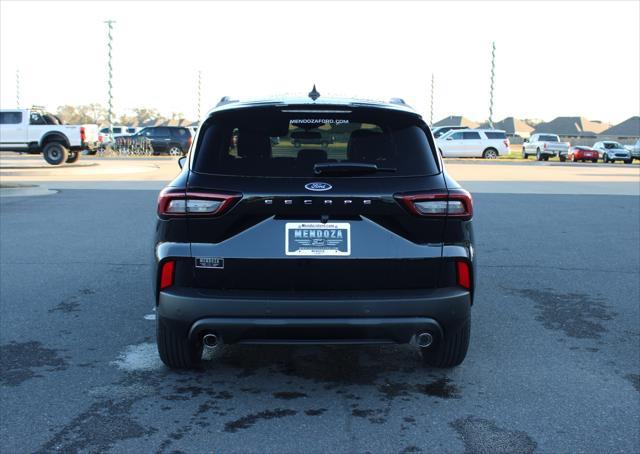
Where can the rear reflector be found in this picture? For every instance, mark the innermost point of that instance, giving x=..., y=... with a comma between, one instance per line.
x=457, y=203
x=464, y=276
x=166, y=275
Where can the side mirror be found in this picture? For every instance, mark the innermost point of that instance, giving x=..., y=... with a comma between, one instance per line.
x=181, y=161
x=526, y=140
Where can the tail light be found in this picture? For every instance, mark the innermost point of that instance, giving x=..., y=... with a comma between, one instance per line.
x=83, y=135
x=457, y=203
x=167, y=273
x=506, y=143
x=181, y=203
x=463, y=274
x=545, y=145
x=189, y=142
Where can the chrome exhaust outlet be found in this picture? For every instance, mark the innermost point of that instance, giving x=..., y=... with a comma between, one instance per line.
x=424, y=340
x=210, y=340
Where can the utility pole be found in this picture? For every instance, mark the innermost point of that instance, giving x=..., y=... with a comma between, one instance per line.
x=431, y=117
x=493, y=73
x=110, y=75
x=199, y=91
x=18, y=88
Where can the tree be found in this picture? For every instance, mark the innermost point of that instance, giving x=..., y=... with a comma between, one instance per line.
x=144, y=114
x=83, y=114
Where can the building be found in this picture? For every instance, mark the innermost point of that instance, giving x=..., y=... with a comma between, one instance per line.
x=453, y=120
x=628, y=129
x=572, y=127
x=513, y=127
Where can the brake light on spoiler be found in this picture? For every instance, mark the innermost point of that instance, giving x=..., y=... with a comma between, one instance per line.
x=172, y=202
x=456, y=203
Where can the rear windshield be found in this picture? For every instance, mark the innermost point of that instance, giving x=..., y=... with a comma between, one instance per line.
x=276, y=142
x=496, y=135
x=548, y=139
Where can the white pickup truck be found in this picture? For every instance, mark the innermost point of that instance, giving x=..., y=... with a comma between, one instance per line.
x=543, y=146
x=35, y=131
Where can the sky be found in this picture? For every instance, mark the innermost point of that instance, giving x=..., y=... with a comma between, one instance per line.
x=552, y=58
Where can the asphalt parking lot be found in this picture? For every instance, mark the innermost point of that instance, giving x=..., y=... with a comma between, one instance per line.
x=554, y=362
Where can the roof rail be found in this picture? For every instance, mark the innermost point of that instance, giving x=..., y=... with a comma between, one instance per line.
x=225, y=100
x=397, y=101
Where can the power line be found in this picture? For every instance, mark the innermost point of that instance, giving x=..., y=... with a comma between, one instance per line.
x=110, y=75
x=493, y=72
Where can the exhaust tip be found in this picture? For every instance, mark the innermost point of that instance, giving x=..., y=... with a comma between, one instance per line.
x=210, y=340
x=424, y=340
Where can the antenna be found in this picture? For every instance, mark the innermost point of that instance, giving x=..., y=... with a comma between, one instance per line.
x=313, y=94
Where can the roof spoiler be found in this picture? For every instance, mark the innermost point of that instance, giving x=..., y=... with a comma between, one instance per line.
x=398, y=101
x=225, y=100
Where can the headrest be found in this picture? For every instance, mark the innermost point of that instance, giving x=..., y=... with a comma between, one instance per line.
x=253, y=145
x=312, y=155
x=368, y=146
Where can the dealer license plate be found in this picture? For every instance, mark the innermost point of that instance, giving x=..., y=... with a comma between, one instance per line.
x=318, y=239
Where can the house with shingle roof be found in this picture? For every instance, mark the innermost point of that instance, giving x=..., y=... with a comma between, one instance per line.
x=455, y=120
x=628, y=129
x=512, y=127
x=572, y=127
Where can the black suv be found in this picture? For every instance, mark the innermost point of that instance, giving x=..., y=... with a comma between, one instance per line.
x=172, y=140
x=365, y=240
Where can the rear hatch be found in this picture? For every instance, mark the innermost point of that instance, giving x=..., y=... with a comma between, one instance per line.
x=333, y=213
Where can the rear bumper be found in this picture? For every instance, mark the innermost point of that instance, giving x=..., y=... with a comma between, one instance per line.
x=318, y=317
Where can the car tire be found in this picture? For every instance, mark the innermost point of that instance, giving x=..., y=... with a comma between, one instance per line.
x=594, y=161
x=605, y=158
x=490, y=153
x=545, y=158
x=628, y=161
x=450, y=351
x=73, y=157
x=176, y=351
x=55, y=153
x=562, y=158
x=538, y=155
x=574, y=159
x=175, y=151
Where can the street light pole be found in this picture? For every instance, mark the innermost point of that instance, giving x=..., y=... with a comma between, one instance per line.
x=199, y=91
x=432, y=86
x=18, y=88
x=493, y=72
x=110, y=75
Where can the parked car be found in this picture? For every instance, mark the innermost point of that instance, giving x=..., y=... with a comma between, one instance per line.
x=441, y=130
x=544, y=146
x=117, y=132
x=611, y=151
x=172, y=140
x=299, y=138
x=27, y=130
x=263, y=243
x=473, y=143
x=634, y=150
x=582, y=153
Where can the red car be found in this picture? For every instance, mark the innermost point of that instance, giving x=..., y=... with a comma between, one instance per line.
x=581, y=153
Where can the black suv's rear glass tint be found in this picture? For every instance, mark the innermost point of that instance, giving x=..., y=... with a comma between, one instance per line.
x=289, y=142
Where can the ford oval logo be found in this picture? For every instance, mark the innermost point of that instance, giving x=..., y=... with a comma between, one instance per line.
x=317, y=186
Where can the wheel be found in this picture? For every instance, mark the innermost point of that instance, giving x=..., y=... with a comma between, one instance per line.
x=538, y=155
x=175, y=350
x=450, y=351
x=55, y=153
x=524, y=154
x=605, y=158
x=175, y=151
x=562, y=158
x=628, y=161
x=582, y=160
x=545, y=158
x=574, y=159
x=73, y=157
x=490, y=153
x=594, y=160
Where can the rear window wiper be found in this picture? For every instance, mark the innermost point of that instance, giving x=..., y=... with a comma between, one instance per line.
x=338, y=168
